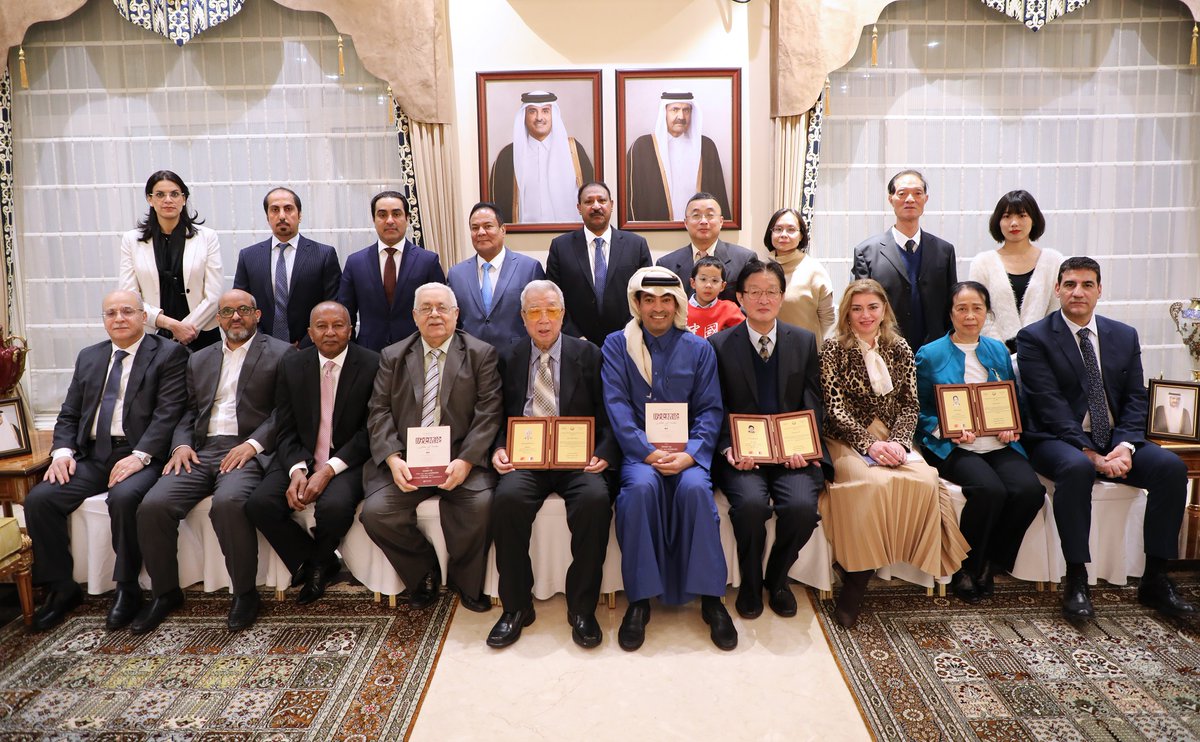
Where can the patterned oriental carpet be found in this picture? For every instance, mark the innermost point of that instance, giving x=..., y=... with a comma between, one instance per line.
x=345, y=667
x=1011, y=668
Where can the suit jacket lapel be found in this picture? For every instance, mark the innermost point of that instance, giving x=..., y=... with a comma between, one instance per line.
x=1109, y=371
x=519, y=371
x=262, y=258
x=416, y=370
x=454, y=360
x=305, y=254
x=569, y=370
x=137, y=372
x=1068, y=345
x=745, y=358
x=476, y=298
x=891, y=251
x=507, y=269
x=351, y=369
x=581, y=255
x=253, y=353
x=785, y=348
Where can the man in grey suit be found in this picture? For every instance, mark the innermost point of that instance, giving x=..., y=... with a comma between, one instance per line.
x=436, y=377
x=703, y=220
x=915, y=268
x=489, y=284
x=113, y=433
x=220, y=448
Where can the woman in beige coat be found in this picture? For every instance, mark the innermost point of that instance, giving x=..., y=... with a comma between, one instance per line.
x=808, y=292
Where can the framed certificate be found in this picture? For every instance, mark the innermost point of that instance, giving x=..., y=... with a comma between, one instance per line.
x=955, y=410
x=773, y=439
x=996, y=402
x=528, y=442
x=550, y=442
x=428, y=455
x=797, y=433
x=667, y=425
x=574, y=439
x=753, y=438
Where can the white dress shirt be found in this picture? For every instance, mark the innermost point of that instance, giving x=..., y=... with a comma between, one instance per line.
x=223, y=420
x=901, y=238
x=382, y=248
x=496, y=263
x=117, y=429
x=289, y=258
x=590, y=239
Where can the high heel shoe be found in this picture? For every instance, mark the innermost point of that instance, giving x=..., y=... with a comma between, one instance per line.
x=850, y=599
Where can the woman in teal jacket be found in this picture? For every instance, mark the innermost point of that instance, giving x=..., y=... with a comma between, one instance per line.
x=1003, y=493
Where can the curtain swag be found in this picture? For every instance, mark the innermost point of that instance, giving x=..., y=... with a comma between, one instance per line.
x=1035, y=13
x=179, y=21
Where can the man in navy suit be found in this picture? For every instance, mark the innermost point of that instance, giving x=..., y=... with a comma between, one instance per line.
x=593, y=266
x=380, y=280
x=489, y=284
x=1085, y=405
x=915, y=268
x=287, y=274
x=703, y=220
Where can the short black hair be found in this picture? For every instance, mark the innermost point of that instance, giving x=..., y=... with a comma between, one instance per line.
x=902, y=173
x=1083, y=263
x=1017, y=202
x=589, y=184
x=387, y=194
x=754, y=265
x=487, y=206
x=803, y=246
x=295, y=199
x=975, y=286
x=702, y=196
x=708, y=261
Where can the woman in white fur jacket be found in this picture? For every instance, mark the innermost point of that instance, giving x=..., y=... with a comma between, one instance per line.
x=1019, y=275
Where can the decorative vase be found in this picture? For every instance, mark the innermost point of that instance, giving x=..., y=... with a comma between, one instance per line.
x=1187, y=322
x=13, y=350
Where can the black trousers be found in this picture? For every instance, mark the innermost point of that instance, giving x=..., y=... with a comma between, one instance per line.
x=519, y=496
x=267, y=508
x=49, y=506
x=751, y=493
x=1161, y=473
x=1003, y=495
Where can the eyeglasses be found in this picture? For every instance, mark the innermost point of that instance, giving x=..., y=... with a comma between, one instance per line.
x=243, y=310
x=755, y=294
x=115, y=312
x=427, y=310
x=540, y=313
x=790, y=231
x=161, y=195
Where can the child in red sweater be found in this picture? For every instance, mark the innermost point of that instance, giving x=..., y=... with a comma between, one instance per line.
x=707, y=314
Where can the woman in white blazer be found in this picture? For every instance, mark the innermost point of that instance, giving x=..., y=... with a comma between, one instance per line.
x=1019, y=275
x=175, y=264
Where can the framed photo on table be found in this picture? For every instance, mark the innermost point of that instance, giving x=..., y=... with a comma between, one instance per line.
x=1173, y=406
x=679, y=131
x=555, y=114
x=14, y=429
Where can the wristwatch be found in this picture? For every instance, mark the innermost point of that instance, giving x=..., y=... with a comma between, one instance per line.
x=145, y=458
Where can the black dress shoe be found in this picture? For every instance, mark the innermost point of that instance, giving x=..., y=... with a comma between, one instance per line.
x=478, y=604
x=58, y=604
x=985, y=582
x=319, y=577
x=1077, y=598
x=508, y=629
x=125, y=606
x=633, y=627
x=244, y=611
x=1159, y=592
x=783, y=602
x=963, y=587
x=301, y=575
x=426, y=593
x=154, y=614
x=749, y=602
x=585, y=630
x=720, y=624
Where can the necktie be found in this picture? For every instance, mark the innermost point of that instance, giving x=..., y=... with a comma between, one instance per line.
x=764, y=348
x=429, y=399
x=486, y=289
x=1097, y=403
x=543, y=390
x=279, y=325
x=601, y=276
x=325, y=429
x=910, y=246
x=389, y=274
x=108, y=405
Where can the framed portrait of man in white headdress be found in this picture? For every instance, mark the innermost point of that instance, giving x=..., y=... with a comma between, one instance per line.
x=540, y=139
x=1173, y=410
x=678, y=134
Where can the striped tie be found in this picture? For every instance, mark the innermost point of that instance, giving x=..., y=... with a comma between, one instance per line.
x=279, y=324
x=429, y=400
x=543, y=390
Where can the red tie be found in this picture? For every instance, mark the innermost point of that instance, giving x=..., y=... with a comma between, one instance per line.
x=325, y=429
x=389, y=275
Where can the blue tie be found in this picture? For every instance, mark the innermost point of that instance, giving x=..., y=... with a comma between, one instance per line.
x=279, y=325
x=108, y=405
x=487, y=288
x=601, y=273
x=1097, y=401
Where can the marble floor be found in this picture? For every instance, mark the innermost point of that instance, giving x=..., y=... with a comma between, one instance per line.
x=781, y=683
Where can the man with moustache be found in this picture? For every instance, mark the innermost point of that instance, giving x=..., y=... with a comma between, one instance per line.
x=321, y=446
x=221, y=447
x=287, y=274
x=113, y=432
x=703, y=221
x=548, y=375
x=592, y=266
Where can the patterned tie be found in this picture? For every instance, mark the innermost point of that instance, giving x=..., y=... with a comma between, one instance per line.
x=601, y=273
x=543, y=390
x=325, y=429
x=279, y=325
x=108, y=405
x=389, y=275
x=429, y=400
x=764, y=348
x=486, y=289
x=910, y=246
x=1097, y=403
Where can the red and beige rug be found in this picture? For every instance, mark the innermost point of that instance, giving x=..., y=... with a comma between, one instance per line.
x=344, y=668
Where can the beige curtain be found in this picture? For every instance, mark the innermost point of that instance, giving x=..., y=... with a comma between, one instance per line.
x=437, y=188
x=791, y=143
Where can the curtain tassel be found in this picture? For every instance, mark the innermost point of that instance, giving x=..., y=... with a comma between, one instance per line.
x=827, y=109
x=341, y=58
x=391, y=106
x=874, y=46
x=1195, y=34
x=25, y=74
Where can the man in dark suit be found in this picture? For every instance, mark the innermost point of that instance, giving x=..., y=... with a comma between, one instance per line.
x=436, y=377
x=321, y=445
x=593, y=265
x=703, y=220
x=379, y=280
x=489, y=284
x=550, y=374
x=221, y=448
x=113, y=433
x=767, y=368
x=915, y=268
x=1085, y=407
x=287, y=274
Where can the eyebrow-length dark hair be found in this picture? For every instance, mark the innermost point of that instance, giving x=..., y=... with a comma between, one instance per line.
x=1017, y=202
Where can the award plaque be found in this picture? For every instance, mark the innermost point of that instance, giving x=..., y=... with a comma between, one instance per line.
x=997, y=405
x=528, y=439
x=955, y=410
x=774, y=439
x=752, y=438
x=574, y=439
x=550, y=442
x=428, y=455
x=797, y=433
x=667, y=425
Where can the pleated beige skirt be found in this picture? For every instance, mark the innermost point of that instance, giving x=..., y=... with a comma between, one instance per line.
x=877, y=515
